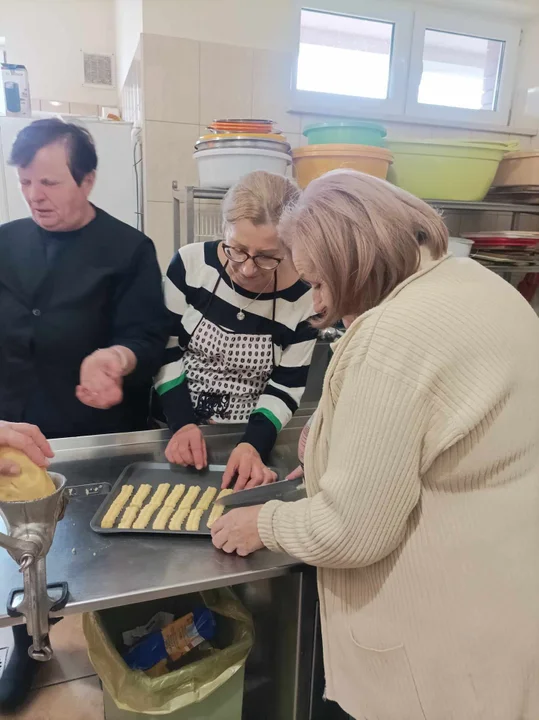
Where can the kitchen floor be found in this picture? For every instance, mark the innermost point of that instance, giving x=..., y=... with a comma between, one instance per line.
x=67, y=687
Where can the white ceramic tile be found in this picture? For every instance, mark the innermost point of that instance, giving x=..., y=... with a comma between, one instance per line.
x=84, y=109
x=158, y=225
x=295, y=139
x=168, y=156
x=271, y=89
x=226, y=75
x=171, y=79
x=61, y=107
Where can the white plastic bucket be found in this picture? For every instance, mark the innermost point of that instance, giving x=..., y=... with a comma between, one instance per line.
x=460, y=247
x=222, y=168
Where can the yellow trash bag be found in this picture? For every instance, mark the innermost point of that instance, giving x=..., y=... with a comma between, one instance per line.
x=133, y=690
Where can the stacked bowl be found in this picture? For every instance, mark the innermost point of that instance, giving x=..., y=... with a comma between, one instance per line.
x=353, y=144
x=233, y=148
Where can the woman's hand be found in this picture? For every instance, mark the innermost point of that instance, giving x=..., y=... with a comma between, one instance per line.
x=295, y=474
x=101, y=377
x=237, y=531
x=246, y=463
x=27, y=438
x=187, y=447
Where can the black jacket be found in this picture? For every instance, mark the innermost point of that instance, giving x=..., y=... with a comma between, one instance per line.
x=103, y=287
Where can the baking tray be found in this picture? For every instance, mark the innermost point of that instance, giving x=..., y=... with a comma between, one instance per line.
x=154, y=474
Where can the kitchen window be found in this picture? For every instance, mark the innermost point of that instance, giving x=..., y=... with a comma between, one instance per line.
x=381, y=60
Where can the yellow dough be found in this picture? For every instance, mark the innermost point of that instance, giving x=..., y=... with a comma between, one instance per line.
x=129, y=517
x=145, y=516
x=159, y=495
x=178, y=518
x=207, y=499
x=193, y=521
x=33, y=483
x=164, y=515
x=189, y=499
x=218, y=510
x=141, y=495
x=117, y=506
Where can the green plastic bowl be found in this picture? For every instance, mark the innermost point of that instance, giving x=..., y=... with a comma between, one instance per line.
x=445, y=170
x=350, y=132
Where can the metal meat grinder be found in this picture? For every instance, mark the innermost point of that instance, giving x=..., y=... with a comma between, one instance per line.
x=31, y=526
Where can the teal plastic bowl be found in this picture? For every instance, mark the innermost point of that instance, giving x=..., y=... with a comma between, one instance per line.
x=350, y=132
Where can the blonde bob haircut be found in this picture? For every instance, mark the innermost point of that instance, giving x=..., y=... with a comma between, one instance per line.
x=260, y=197
x=361, y=237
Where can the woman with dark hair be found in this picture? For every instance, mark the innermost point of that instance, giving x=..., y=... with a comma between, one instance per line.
x=83, y=325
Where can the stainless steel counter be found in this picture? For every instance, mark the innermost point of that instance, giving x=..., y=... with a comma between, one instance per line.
x=106, y=571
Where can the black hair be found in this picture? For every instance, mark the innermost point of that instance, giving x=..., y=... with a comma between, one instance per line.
x=82, y=157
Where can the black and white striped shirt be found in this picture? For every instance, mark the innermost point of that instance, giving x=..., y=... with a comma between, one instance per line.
x=221, y=369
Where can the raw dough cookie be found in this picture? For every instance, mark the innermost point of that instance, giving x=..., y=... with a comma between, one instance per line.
x=145, y=516
x=218, y=510
x=189, y=499
x=129, y=517
x=164, y=515
x=141, y=495
x=33, y=483
x=193, y=521
x=207, y=499
x=178, y=518
x=117, y=506
x=133, y=509
x=160, y=494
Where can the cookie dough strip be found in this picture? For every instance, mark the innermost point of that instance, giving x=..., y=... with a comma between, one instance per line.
x=117, y=506
x=159, y=495
x=166, y=512
x=178, y=518
x=206, y=499
x=149, y=510
x=193, y=521
x=133, y=509
x=188, y=501
x=218, y=510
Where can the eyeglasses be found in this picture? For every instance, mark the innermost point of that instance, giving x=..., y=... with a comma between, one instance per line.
x=264, y=262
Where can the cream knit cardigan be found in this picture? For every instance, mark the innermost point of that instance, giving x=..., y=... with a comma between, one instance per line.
x=422, y=469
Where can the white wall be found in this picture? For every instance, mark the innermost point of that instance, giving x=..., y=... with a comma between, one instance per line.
x=128, y=20
x=48, y=35
x=248, y=23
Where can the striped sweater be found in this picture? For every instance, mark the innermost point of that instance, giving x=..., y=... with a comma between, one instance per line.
x=219, y=368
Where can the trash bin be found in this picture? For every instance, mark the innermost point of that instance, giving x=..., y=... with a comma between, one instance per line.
x=200, y=689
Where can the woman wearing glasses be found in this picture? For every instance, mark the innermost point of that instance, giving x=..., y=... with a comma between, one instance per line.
x=242, y=341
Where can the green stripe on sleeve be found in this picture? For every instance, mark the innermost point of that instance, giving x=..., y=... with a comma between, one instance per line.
x=271, y=417
x=165, y=387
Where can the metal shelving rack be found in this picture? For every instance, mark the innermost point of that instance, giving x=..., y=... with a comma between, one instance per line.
x=190, y=194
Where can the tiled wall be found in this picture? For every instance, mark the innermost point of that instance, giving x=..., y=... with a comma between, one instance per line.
x=186, y=84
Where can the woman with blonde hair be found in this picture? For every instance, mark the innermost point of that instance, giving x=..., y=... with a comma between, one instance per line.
x=422, y=466
x=242, y=341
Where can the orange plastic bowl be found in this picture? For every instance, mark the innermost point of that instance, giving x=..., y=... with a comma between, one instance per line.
x=313, y=161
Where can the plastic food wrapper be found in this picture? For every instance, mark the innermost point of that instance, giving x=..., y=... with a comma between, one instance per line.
x=157, y=622
x=136, y=691
x=173, y=640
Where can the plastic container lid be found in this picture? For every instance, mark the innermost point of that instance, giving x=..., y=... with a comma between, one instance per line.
x=219, y=152
x=279, y=137
x=348, y=123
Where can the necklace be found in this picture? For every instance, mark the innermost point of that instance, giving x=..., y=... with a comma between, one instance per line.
x=241, y=313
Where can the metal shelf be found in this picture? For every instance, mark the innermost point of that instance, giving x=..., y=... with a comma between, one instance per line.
x=484, y=207
x=189, y=194
x=522, y=269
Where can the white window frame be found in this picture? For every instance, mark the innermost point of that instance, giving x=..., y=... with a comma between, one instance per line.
x=443, y=21
x=402, y=20
x=410, y=22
